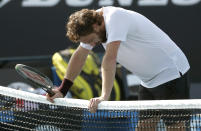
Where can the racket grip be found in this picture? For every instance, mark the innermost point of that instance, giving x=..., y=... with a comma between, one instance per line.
x=51, y=93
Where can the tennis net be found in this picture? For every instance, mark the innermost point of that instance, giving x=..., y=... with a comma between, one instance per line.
x=21, y=110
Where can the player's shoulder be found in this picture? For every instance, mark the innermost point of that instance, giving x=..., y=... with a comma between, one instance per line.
x=113, y=12
x=113, y=8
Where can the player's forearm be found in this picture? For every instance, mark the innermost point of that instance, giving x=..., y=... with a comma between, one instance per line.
x=76, y=63
x=108, y=75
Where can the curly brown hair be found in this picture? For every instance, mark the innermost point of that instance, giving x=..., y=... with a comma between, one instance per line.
x=80, y=23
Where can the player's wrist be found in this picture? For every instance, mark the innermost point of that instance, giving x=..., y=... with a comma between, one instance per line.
x=104, y=98
x=65, y=86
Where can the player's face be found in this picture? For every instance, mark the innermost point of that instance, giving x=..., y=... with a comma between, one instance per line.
x=91, y=39
x=94, y=38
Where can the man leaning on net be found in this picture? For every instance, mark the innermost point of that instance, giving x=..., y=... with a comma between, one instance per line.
x=132, y=40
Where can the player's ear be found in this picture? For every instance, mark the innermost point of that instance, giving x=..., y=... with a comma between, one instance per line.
x=96, y=27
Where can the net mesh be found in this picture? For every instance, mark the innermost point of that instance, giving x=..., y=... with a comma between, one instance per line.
x=21, y=110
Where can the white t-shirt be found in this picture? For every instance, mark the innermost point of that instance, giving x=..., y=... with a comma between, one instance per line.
x=145, y=49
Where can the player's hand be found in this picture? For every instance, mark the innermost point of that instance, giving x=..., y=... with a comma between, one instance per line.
x=93, y=104
x=57, y=94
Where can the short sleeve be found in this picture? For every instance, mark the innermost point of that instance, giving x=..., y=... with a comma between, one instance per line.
x=118, y=26
x=86, y=46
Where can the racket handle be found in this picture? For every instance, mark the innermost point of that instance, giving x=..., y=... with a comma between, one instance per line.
x=51, y=93
x=48, y=90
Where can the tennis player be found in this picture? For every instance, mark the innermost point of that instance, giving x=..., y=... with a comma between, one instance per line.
x=132, y=40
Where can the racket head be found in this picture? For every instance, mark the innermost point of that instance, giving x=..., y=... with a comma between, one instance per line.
x=35, y=77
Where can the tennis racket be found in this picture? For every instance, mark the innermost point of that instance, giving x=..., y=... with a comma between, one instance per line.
x=35, y=77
